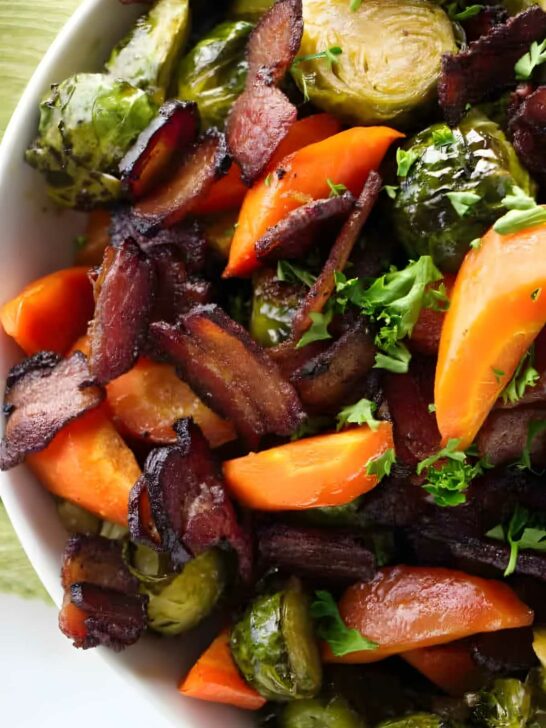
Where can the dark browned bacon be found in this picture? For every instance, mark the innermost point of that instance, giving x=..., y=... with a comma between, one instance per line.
x=43, y=394
x=527, y=127
x=231, y=372
x=487, y=65
x=483, y=22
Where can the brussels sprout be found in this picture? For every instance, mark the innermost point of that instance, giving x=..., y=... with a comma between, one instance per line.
x=516, y=6
x=147, y=55
x=389, y=63
x=77, y=520
x=113, y=531
x=214, y=72
x=87, y=123
x=249, y=9
x=274, y=305
x=506, y=704
x=274, y=646
x=416, y=720
x=320, y=713
x=179, y=602
x=452, y=191
x=539, y=644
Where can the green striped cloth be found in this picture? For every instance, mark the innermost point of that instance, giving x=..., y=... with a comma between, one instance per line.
x=27, y=28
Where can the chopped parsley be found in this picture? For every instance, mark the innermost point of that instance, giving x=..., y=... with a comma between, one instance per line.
x=336, y=190
x=464, y=14
x=382, y=465
x=463, y=202
x=475, y=244
x=268, y=180
x=525, y=376
x=535, y=56
x=405, y=161
x=311, y=426
x=391, y=190
x=330, y=55
x=443, y=137
x=523, y=531
x=431, y=408
x=288, y=272
x=523, y=212
x=535, y=294
x=498, y=373
x=318, y=331
x=331, y=627
x=361, y=413
x=534, y=429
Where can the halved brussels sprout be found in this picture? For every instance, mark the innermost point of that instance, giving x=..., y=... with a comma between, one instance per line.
x=87, y=123
x=453, y=190
x=320, y=713
x=249, y=9
x=274, y=646
x=179, y=602
x=506, y=704
x=274, y=305
x=390, y=59
x=147, y=54
x=213, y=73
x=416, y=720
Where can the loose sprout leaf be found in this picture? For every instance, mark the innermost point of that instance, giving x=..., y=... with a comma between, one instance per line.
x=360, y=413
x=535, y=56
x=330, y=627
x=318, y=331
x=443, y=136
x=463, y=201
x=405, y=160
x=535, y=428
x=336, y=190
x=525, y=376
x=382, y=465
x=291, y=273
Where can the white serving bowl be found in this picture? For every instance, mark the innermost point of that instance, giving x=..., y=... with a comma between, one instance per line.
x=36, y=238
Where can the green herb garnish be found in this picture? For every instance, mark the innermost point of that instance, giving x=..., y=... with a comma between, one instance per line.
x=331, y=627
x=535, y=56
x=318, y=331
x=360, y=413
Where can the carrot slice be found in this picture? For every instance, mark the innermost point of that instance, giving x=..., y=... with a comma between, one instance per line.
x=51, y=312
x=229, y=192
x=449, y=666
x=327, y=470
x=148, y=399
x=96, y=238
x=408, y=607
x=215, y=678
x=498, y=306
x=345, y=158
x=89, y=464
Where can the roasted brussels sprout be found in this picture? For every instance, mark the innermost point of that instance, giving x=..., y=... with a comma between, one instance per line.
x=453, y=189
x=274, y=646
x=249, y=9
x=77, y=520
x=506, y=704
x=147, y=55
x=87, y=123
x=416, y=720
x=274, y=304
x=178, y=602
x=389, y=61
x=320, y=713
x=213, y=73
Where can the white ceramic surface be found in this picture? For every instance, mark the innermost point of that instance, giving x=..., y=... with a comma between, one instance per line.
x=36, y=238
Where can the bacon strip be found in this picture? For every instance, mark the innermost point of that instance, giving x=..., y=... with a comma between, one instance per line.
x=205, y=162
x=43, y=394
x=487, y=65
x=96, y=560
x=231, y=373
x=123, y=304
x=483, y=22
x=174, y=128
x=527, y=127
x=274, y=42
x=323, y=287
x=294, y=235
x=190, y=507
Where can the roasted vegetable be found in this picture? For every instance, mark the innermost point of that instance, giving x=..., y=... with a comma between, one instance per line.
x=76, y=519
x=87, y=123
x=213, y=73
x=249, y=9
x=416, y=720
x=274, y=647
x=454, y=188
x=507, y=704
x=274, y=304
x=379, y=76
x=146, y=56
x=176, y=603
x=320, y=713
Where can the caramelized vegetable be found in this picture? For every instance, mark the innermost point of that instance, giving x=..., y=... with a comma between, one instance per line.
x=448, y=666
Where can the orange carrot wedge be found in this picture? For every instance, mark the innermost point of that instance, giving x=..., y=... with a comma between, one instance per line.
x=88, y=464
x=215, y=678
x=345, y=158
x=229, y=191
x=327, y=470
x=498, y=306
x=449, y=666
x=51, y=312
x=408, y=607
x=95, y=239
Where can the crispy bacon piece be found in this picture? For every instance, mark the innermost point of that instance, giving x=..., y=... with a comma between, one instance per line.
x=503, y=435
x=294, y=235
x=101, y=604
x=504, y=652
x=174, y=128
x=289, y=359
x=190, y=507
x=336, y=376
x=527, y=127
x=323, y=554
x=206, y=161
x=487, y=65
x=483, y=22
x=416, y=434
x=231, y=373
x=274, y=42
x=257, y=124
x=124, y=299
x=339, y=255
x=43, y=394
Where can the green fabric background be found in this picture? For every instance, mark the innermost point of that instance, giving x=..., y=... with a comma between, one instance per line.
x=27, y=28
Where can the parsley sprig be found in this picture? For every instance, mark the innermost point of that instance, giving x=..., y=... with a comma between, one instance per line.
x=525, y=376
x=381, y=466
x=331, y=627
x=291, y=273
x=360, y=413
x=535, y=56
x=524, y=530
x=318, y=331
x=534, y=429
x=330, y=55
x=523, y=212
